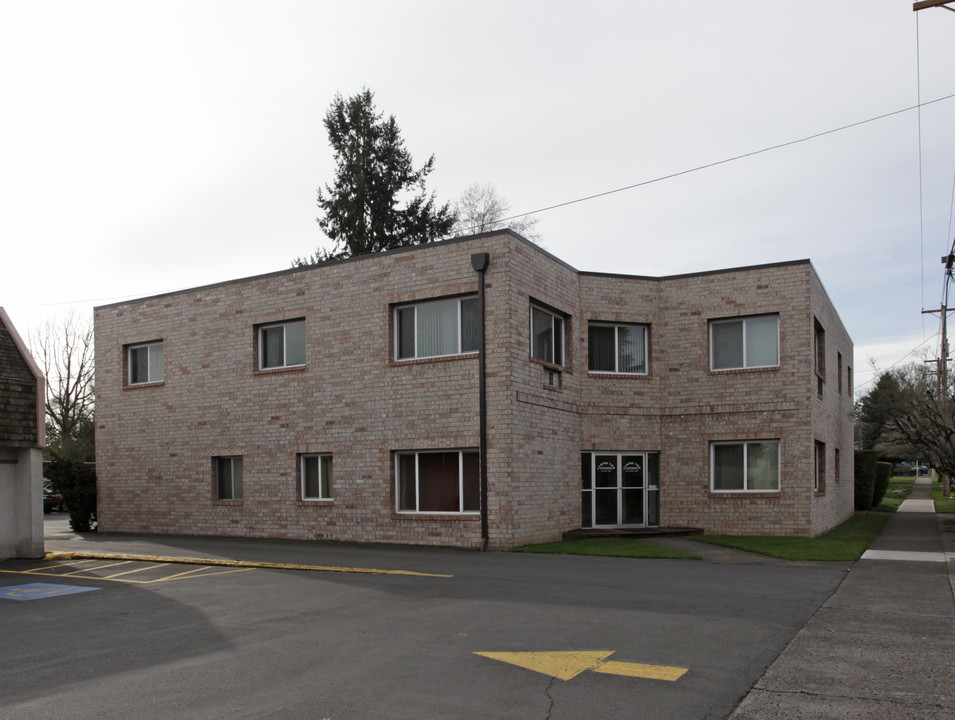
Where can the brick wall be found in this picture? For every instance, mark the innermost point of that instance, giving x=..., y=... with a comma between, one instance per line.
x=156, y=442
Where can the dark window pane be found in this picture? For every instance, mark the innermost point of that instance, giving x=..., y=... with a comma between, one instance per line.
x=601, y=348
x=542, y=346
x=632, y=507
x=631, y=344
x=728, y=467
x=558, y=341
x=406, y=344
x=326, y=465
x=586, y=509
x=310, y=477
x=406, y=482
x=139, y=365
x=470, y=325
x=586, y=471
x=472, y=482
x=273, y=342
x=727, y=341
x=438, y=488
x=606, y=507
x=605, y=471
x=632, y=466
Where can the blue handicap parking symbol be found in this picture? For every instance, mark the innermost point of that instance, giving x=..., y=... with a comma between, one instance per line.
x=38, y=591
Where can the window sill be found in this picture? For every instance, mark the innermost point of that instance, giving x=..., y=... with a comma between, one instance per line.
x=445, y=515
x=228, y=501
x=281, y=370
x=316, y=501
x=429, y=360
x=739, y=371
x=617, y=376
x=745, y=493
x=552, y=366
x=141, y=386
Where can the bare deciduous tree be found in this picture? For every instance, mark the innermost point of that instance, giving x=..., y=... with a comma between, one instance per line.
x=481, y=209
x=65, y=349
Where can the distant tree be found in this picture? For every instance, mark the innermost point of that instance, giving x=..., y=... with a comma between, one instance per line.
x=362, y=210
x=65, y=349
x=874, y=409
x=921, y=419
x=480, y=208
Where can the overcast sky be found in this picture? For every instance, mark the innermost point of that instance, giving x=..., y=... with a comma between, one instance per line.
x=154, y=146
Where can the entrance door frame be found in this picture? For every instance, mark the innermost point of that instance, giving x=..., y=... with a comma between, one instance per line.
x=651, y=488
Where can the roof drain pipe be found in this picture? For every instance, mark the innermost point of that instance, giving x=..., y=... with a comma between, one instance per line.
x=479, y=261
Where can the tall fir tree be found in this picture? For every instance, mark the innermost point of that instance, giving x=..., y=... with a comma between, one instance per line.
x=362, y=210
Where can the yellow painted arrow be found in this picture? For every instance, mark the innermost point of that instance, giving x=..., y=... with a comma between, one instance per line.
x=567, y=665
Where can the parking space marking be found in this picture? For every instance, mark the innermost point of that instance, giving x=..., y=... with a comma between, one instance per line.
x=90, y=573
x=239, y=564
x=566, y=665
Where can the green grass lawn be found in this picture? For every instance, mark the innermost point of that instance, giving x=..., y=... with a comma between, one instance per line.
x=899, y=489
x=608, y=547
x=942, y=504
x=846, y=542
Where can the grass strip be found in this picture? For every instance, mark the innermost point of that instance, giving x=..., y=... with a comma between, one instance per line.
x=899, y=489
x=844, y=543
x=942, y=504
x=609, y=547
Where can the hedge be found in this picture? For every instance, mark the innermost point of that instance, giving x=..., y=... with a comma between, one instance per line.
x=883, y=473
x=865, y=478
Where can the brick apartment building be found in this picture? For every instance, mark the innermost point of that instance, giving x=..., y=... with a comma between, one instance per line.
x=343, y=401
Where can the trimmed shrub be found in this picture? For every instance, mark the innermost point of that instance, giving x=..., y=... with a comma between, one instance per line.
x=76, y=481
x=865, y=478
x=883, y=473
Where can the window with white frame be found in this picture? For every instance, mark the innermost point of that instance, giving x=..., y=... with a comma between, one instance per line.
x=437, y=328
x=749, y=342
x=145, y=363
x=438, y=482
x=547, y=336
x=316, y=471
x=617, y=349
x=282, y=345
x=228, y=478
x=744, y=466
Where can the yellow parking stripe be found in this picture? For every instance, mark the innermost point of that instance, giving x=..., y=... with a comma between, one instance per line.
x=238, y=563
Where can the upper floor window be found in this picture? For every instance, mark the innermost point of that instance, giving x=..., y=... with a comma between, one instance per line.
x=145, y=363
x=617, y=349
x=819, y=351
x=547, y=336
x=437, y=328
x=749, y=342
x=819, y=476
x=282, y=345
x=744, y=466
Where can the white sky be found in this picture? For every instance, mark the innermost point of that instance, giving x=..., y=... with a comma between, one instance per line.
x=154, y=146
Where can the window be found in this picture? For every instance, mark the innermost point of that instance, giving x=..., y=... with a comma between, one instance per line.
x=618, y=349
x=819, y=351
x=819, y=476
x=744, y=342
x=445, y=482
x=316, y=477
x=547, y=336
x=837, y=464
x=839, y=370
x=145, y=363
x=282, y=345
x=437, y=328
x=745, y=466
x=228, y=478
x=849, y=388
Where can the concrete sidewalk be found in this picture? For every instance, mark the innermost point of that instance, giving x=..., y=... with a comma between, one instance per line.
x=883, y=645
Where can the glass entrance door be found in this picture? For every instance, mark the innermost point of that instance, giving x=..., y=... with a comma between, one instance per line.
x=619, y=490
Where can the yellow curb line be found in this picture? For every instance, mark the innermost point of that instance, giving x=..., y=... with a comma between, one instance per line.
x=232, y=563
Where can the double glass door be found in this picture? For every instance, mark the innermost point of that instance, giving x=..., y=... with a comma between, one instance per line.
x=620, y=490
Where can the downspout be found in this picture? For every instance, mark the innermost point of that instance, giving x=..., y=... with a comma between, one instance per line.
x=479, y=261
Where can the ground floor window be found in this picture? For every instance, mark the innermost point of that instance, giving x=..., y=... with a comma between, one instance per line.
x=438, y=482
x=620, y=489
x=744, y=466
x=819, y=477
x=316, y=477
x=228, y=478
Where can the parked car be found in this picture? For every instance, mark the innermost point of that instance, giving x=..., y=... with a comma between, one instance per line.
x=52, y=500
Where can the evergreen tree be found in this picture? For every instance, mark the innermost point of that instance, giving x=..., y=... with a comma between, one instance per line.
x=361, y=210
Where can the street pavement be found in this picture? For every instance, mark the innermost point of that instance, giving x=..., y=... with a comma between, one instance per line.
x=877, y=637
x=883, y=645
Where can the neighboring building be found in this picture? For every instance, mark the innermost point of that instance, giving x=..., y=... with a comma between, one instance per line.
x=341, y=401
x=22, y=437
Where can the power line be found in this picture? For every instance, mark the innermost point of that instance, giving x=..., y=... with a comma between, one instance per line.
x=729, y=159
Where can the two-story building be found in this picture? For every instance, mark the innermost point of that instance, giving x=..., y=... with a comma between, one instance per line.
x=351, y=401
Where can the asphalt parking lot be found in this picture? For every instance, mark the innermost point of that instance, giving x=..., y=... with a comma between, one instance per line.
x=471, y=635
